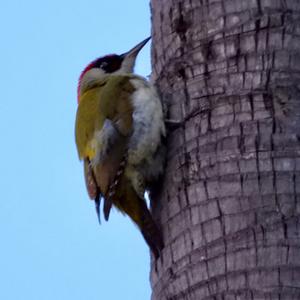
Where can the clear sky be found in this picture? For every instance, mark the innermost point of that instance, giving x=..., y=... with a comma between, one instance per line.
x=51, y=244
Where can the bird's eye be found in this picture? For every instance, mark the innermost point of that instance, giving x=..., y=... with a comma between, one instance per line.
x=103, y=65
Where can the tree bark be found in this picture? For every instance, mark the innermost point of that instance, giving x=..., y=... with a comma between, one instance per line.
x=229, y=205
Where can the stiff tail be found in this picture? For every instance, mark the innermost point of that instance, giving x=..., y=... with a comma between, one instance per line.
x=151, y=233
x=127, y=201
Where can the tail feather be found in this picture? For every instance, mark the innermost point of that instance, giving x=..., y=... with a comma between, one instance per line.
x=113, y=188
x=136, y=208
x=151, y=234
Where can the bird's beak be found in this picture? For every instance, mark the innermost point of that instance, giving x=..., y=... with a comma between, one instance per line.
x=130, y=56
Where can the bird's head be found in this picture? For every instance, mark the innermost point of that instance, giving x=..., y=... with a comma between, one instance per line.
x=109, y=64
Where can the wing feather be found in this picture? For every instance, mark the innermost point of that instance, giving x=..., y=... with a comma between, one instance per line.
x=116, y=107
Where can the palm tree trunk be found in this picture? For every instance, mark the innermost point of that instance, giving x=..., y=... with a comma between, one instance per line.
x=229, y=205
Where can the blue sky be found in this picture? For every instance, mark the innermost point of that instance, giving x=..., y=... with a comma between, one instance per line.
x=51, y=244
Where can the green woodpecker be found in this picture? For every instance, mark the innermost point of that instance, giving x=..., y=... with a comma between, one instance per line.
x=119, y=130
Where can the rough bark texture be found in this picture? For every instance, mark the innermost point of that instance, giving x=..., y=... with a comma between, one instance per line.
x=229, y=206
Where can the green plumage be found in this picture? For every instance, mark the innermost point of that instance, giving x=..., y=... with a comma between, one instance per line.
x=107, y=102
x=106, y=99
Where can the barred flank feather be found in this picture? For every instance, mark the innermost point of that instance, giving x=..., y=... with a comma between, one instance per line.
x=113, y=187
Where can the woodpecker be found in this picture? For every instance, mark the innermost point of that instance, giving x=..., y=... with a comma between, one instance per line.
x=119, y=130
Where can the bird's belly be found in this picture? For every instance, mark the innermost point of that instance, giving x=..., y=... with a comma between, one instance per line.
x=148, y=126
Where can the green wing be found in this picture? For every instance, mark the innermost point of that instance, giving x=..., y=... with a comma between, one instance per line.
x=106, y=109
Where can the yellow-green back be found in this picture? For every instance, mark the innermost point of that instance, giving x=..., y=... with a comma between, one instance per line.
x=109, y=99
